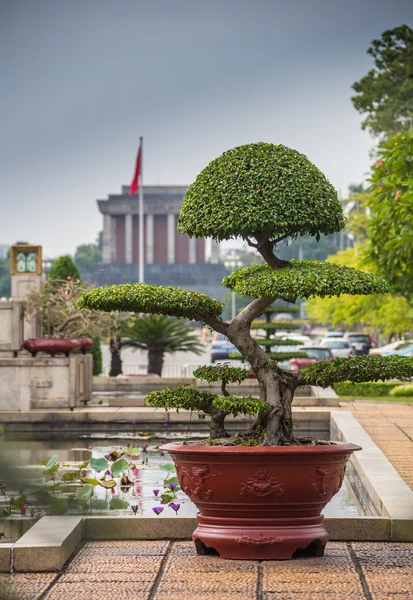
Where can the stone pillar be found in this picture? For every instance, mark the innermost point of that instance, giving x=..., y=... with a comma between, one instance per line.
x=149, y=239
x=192, y=251
x=107, y=239
x=171, y=239
x=113, y=240
x=128, y=239
x=215, y=252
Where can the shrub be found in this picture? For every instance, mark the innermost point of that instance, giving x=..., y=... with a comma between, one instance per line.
x=96, y=352
x=404, y=390
x=374, y=389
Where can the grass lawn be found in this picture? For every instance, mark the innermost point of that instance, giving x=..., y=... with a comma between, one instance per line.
x=405, y=400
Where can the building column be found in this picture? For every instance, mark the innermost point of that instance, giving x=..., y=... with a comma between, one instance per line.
x=107, y=241
x=215, y=252
x=149, y=239
x=128, y=239
x=171, y=239
x=192, y=251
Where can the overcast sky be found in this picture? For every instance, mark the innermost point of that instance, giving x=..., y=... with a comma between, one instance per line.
x=81, y=80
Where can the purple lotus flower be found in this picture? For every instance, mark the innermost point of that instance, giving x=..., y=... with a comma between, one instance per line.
x=174, y=506
x=133, y=421
x=165, y=425
x=157, y=510
x=145, y=449
x=108, y=474
x=135, y=508
x=107, y=456
x=23, y=510
x=172, y=486
x=162, y=441
x=156, y=492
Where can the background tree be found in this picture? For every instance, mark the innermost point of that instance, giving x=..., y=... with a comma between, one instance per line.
x=263, y=193
x=384, y=315
x=88, y=256
x=160, y=335
x=96, y=352
x=391, y=207
x=385, y=94
x=63, y=268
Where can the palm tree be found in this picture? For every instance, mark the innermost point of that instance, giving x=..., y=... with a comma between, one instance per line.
x=160, y=335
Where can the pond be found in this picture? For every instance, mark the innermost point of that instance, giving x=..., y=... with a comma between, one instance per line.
x=81, y=478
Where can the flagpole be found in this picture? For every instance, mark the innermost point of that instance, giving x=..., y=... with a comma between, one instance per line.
x=141, y=228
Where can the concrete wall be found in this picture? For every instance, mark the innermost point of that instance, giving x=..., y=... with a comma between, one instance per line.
x=27, y=383
x=11, y=326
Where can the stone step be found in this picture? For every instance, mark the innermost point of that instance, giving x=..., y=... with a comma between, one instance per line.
x=118, y=399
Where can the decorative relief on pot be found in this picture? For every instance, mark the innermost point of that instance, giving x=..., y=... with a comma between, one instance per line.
x=193, y=480
x=248, y=540
x=327, y=482
x=261, y=485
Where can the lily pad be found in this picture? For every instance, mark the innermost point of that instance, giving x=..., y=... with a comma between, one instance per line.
x=119, y=466
x=117, y=503
x=98, y=464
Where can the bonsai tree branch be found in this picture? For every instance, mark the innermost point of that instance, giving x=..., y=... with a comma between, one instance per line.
x=265, y=247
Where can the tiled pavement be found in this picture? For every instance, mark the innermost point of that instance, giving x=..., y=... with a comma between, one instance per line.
x=391, y=428
x=162, y=570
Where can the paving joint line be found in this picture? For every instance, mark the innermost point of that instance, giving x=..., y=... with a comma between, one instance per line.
x=63, y=570
x=359, y=571
x=260, y=575
x=161, y=571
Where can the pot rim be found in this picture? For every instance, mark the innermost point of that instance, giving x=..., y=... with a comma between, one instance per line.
x=336, y=448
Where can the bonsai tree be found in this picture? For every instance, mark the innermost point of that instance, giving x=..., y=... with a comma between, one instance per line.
x=264, y=194
x=159, y=335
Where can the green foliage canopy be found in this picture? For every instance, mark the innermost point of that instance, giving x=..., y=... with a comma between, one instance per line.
x=260, y=188
x=154, y=299
x=391, y=206
x=186, y=398
x=386, y=93
x=64, y=268
x=305, y=278
x=370, y=367
x=221, y=372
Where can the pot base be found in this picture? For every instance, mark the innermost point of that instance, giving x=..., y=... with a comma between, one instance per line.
x=276, y=539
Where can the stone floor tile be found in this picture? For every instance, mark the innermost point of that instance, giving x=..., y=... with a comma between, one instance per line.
x=191, y=595
x=148, y=548
x=207, y=564
x=184, y=548
x=106, y=591
x=339, y=595
x=109, y=577
x=25, y=586
x=225, y=581
x=126, y=564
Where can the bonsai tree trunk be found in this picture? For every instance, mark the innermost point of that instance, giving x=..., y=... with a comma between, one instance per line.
x=276, y=388
x=115, y=359
x=155, y=359
x=217, y=425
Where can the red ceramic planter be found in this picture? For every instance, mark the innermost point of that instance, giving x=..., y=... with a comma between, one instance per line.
x=52, y=346
x=260, y=503
x=85, y=344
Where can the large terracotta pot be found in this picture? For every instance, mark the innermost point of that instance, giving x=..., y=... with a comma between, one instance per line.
x=262, y=502
x=52, y=346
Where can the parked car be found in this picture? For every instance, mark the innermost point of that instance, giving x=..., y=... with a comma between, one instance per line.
x=393, y=348
x=405, y=351
x=333, y=334
x=361, y=342
x=315, y=354
x=297, y=337
x=339, y=348
x=221, y=347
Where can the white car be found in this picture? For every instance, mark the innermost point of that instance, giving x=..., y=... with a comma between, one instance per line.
x=296, y=337
x=389, y=348
x=339, y=348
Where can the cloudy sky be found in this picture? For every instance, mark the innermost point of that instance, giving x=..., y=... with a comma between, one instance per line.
x=81, y=80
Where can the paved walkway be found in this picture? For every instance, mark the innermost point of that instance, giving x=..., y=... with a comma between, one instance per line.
x=172, y=571
x=391, y=428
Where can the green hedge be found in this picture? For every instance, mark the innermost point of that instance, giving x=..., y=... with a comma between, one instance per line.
x=403, y=391
x=370, y=390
